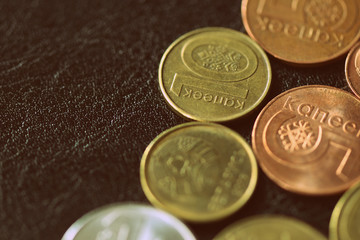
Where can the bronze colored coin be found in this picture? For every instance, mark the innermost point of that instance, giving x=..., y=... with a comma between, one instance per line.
x=214, y=75
x=352, y=69
x=270, y=227
x=198, y=171
x=303, y=31
x=345, y=219
x=307, y=140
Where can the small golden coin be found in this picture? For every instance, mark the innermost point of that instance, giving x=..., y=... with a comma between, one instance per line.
x=303, y=31
x=345, y=219
x=198, y=171
x=214, y=75
x=270, y=228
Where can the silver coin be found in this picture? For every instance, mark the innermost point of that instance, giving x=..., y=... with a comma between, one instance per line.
x=128, y=222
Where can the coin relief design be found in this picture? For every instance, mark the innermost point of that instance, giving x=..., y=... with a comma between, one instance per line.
x=344, y=223
x=307, y=143
x=198, y=172
x=315, y=31
x=214, y=74
x=188, y=167
x=219, y=58
x=325, y=13
x=297, y=136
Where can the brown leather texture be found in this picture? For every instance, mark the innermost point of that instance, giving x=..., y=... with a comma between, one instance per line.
x=80, y=101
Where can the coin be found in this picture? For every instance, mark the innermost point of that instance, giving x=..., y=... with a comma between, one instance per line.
x=352, y=69
x=345, y=219
x=127, y=221
x=270, y=227
x=307, y=140
x=214, y=75
x=303, y=31
x=198, y=171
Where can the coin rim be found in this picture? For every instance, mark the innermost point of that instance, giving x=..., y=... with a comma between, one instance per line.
x=347, y=66
x=304, y=63
x=282, y=184
x=184, y=214
x=182, y=112
x=72, y=232
x=269, y=218
x=338, y=210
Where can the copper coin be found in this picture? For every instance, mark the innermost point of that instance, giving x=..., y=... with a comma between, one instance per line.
x=352, y=69
x=303, y=31
x=307, y=140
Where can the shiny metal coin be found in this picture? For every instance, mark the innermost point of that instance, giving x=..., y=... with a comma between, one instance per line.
x=345, y=219
x=303, y=32
x=270, y=227
x=214, y=75
x=307, y=140
x=199, y=172
x=130, y=222
x=352, y=69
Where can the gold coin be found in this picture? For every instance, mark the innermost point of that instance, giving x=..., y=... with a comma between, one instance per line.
x=345, y=219
x=198, y=171
x=270, y=227
x=303, y=31
x=214, y=74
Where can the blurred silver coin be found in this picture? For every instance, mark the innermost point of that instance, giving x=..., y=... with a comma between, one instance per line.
x=128, y=222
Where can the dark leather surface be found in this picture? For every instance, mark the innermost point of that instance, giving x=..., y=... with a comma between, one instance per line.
x=79, y=103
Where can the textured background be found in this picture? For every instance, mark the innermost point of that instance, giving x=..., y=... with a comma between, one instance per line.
x=79, y=103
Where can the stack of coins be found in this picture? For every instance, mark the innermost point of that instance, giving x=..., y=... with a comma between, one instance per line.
x=307, y=139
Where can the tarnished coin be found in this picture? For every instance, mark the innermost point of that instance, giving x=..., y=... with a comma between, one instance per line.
x=303, y=31
x=345, y=219
x=352, y=69
x=198, y=171
x=270, y=227
x=307, y=140
x=130, y=222
x=214, y=75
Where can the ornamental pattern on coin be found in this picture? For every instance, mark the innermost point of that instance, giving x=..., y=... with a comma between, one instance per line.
x=352, y=69
x=198, y=171
x=269, y=227
x=214, y=74
x=307, y=140
x=344, y=223
x=127, y=221
x=303, y=31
